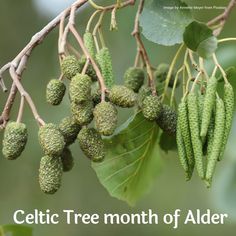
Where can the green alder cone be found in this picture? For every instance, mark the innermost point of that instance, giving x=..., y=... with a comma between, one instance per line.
x=144, y=91
x=90, y=70
x=122, y=96
x=183, y=124
x=182, y=153
x=229, y=113
x=161, y=74
x=91, y=144
x=70, y=67
x=105, y=116
x=193, y=117
x=217, y=140
x=50, y=174
x=208, y=106
x=67, y=160
x=151, y=107
x=55, y=91
x=104, y=60
x=80, y=88
x=167, y=120
x=89, y=43
x=51, y=140
x=82, y=113
x=14, y=140
x=69, y=129
x=134, y=78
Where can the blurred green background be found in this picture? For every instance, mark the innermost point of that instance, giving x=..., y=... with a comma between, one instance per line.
x=81, y=191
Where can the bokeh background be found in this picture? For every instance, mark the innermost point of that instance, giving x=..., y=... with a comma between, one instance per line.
x=81, y=190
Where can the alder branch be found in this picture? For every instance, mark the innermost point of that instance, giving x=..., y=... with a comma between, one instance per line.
x=18, y=64
x=222, y=18
x=141, y=48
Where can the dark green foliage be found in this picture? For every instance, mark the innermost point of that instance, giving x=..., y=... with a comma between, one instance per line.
x=193, y=116
x=167, y=120
x=105, y=115
x=51, y=140
x=67, y=160
x=105, y=62
x=14, y=140
x=151, y=107
x=55, y=91
x=122, y=96
x=209, y=104
x=80, y=88
x=70, y=67
x=134, y=78
x=50, y=174
x=82, y=113
x=91, y=144
x=229, y=113
x=69, y=129
x=217, y=140
x=89, y=43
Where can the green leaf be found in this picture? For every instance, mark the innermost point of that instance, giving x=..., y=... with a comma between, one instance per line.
x=16, y=230
x=199, y=38
x=167, y=142
x=132, y=160
x=164, y=21
x=230, y=74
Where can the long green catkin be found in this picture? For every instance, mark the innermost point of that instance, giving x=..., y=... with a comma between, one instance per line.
x=193, y=116
x=217, y=140
x=89, y=43
x=185, y=131
x=208, y=106
x=229, y=113
x=104, y=60
x=182, y=152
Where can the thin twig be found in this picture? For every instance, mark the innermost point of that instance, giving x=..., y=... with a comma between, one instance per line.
x=21, y=109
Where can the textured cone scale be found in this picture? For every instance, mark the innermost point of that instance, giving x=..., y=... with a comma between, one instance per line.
x=134, y=78
x=122, y=96
x=55, y=92
x=144, y=91
x=103, y=58
x=70, y=67
x=167, y=120
x=80, y=88
x=82, y=113
x=90, y=70
x=105, y=115
x=69, y=129
x=51, y=140
x=91, y=144
x=50, y=174
x=67, y=160
x=14, y=140
x=151, y=107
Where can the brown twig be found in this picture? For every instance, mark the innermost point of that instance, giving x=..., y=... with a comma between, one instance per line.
x=141, y=47
x=222, y=18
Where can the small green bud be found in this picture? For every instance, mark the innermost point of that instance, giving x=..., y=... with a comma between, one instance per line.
x=51, y=140
x=144, y=91
x=67, y=160
x=50, y=174
x=122, y=96
x=91, y=144
x=80, y=88
x=134, y=78
x=70, y=67
x=167, y=120
x=69, y=129
x=14, y=140
x=82, y=113
x=96, y=94
x=55, y=91
x=105, y=115
x=151, y=107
